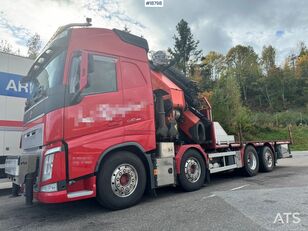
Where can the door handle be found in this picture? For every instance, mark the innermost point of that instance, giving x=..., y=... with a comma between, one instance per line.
x=114, y=124
x=133, y=120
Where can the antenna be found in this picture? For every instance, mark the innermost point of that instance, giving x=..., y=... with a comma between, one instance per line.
x=89, y=20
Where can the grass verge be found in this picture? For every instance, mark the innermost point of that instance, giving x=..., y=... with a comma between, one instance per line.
x=299, y=133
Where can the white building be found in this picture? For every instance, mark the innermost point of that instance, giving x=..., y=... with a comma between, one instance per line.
x=12, y=100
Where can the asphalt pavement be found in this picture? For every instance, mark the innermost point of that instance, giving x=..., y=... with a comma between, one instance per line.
x=269, y=201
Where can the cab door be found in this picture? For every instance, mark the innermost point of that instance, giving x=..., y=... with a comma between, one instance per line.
x=92, y=122
x=138, y=98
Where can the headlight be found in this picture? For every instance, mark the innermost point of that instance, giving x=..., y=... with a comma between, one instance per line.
x=49, y=188
x=48, y=162
x=47, y=169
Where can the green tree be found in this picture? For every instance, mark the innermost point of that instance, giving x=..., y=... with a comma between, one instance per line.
x=212, y=67
x=185, y=51
x=268, y=59
x=34, y=45
x=214, y=64
x=6, y=47
x=301, y=72
x=226, y=103
x=302, y=49
x=272, y=88
x=243, y=64
x=290, y=83
x=266, y=82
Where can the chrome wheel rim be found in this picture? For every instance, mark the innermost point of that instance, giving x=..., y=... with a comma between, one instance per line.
x=269, y=159
x=192, y=170
x=124, y=180
x=252, y=161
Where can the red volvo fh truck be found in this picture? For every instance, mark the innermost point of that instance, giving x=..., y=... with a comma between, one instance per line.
x=103, y=121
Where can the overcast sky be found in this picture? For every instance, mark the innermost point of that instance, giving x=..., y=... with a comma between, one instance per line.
x=217, y=24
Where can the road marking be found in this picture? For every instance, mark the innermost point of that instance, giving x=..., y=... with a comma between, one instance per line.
x=239, y=187
x=212, y=195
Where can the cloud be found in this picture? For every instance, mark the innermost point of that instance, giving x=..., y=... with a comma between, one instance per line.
x=218, y=25
x=20, y=19
x=221, y=24
x=213, y=38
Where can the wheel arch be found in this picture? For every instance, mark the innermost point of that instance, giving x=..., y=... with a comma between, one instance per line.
x=268, y=145
x=243, y=150
x=181, y=152
x=250, y=144
x=137, y=150
x=179, y=156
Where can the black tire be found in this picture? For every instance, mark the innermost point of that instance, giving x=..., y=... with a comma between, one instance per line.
x=108, y=177
x=267, y=160
x=192, y=157
x=251, y=161
x=15, y=190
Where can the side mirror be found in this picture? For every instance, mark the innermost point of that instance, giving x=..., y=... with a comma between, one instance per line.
x=83, y=71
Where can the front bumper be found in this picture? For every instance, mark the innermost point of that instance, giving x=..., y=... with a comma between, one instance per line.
x=51, y=197
x=63, y=196
x=28, y=169
x=82, y=189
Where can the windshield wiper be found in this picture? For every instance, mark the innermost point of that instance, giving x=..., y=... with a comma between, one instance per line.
x=39, y=93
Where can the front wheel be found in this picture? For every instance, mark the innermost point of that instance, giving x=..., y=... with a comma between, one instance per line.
x=121, y=181
x=193, y=171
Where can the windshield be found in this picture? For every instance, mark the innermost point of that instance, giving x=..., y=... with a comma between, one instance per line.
x=49, y=76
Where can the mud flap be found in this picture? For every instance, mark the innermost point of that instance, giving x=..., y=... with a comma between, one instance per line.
x=29, y=181
x=207, y=177
x=283, y=151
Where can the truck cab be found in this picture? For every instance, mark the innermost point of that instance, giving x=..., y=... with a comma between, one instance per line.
x=85, y=98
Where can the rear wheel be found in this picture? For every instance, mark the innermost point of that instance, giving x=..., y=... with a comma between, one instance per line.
x=192, y=175
x=267, y=161
x=121, y=181
x=251, y=161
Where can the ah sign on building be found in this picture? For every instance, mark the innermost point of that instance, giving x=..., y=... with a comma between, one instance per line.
x=10, y=85
x=13, y=95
